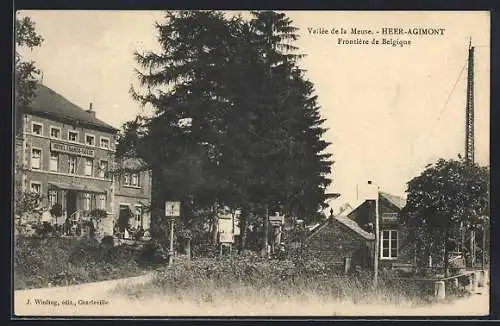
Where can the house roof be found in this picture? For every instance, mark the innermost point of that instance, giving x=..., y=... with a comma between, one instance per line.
x=49, y=102
x=344, y=220
x=397, y=201
x=355, y=227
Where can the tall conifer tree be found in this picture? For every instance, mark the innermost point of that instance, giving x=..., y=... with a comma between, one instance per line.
x=235, y=122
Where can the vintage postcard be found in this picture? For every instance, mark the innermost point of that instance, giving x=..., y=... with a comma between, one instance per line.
x=251, y=163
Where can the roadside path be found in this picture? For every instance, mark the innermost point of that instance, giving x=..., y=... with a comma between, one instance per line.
x=98, y=299
x=56, y=300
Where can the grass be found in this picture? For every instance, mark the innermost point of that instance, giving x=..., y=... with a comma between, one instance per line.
x=255, y=282
x=45, y=262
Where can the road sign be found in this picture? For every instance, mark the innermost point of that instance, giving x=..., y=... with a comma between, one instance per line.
x=226, y=234
x=172, y=208
x=277, y=219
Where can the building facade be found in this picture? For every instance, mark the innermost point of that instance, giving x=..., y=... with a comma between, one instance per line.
x=133, y=194
x=394, y=249
x=67, y=155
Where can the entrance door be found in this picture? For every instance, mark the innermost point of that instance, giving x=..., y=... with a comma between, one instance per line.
x=71, y=202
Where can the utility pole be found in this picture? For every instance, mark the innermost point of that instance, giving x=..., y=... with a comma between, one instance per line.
x=469, y=133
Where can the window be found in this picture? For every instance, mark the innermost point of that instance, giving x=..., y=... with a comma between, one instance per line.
x=52, y=198
x=389, y=244
x=55, y=132
x=102, y=201
x=86, y=202
x=73, y=136
x=138, y=215
x=36, y=158
x=71, y=164
x=54, y=161
x=88, y=166
x=126, y=179
x=36, y=187
x=89, y=140
x=105, y=142
x=103, y=169
x=36, y=128
x=134, y=179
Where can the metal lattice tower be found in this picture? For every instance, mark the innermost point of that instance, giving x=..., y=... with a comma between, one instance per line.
x=469, y=110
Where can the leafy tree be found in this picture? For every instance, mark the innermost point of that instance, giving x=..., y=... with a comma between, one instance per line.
x=26, y=203
x=446, y=194
x=26, y=73
x=26, y=78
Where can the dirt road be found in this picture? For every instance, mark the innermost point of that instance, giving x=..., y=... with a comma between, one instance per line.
x=98, y=299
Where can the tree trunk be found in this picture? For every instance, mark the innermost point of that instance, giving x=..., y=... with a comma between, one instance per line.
x=215, y=229
x=187, y=249
x=472, y=248
x=243, y=229
x=446, y=254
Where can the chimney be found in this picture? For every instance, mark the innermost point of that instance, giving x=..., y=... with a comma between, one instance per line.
x=90, y=110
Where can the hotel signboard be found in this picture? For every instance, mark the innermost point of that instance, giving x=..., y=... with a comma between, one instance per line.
x=72, y=149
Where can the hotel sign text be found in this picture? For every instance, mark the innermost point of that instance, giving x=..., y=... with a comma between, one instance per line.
x=72, y=149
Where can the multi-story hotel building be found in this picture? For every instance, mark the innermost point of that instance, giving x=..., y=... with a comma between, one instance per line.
x=67, y=154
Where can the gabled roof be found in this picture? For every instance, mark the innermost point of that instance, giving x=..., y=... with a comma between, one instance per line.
x=49, y=102
x=397, y=201
x=353, y=207
x=344, y=220
x=355, y=227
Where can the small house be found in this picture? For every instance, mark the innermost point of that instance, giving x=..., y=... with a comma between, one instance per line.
x=351, y=234
x=340, y=238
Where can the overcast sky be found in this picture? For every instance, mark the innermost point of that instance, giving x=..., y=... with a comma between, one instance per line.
x=389, y=110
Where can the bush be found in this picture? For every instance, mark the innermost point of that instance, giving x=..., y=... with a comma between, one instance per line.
x=108, y=240
x=61, y=261
x=45, y=229
x=153, y=253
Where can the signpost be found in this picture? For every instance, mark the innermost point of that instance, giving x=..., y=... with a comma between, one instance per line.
x=276, y=222
x=226, y=232
x=172, y=210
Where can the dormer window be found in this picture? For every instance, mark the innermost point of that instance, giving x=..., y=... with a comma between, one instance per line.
x=134, y=179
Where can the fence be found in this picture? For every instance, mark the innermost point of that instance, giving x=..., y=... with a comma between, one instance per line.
x=472, y=279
